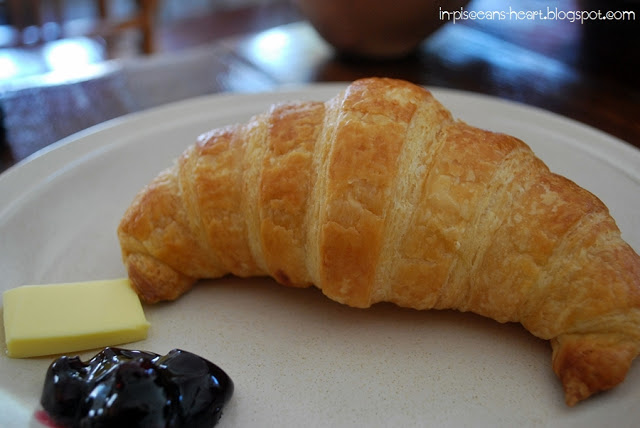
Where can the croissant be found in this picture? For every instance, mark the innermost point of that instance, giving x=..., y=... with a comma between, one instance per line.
x=379, y=194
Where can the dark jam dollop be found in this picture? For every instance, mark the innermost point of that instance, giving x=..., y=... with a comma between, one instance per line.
x=120, y=387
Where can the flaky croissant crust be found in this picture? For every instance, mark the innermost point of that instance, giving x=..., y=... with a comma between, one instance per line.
x=379, y=194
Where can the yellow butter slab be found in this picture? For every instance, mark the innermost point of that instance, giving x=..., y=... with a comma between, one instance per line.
x=60, y=318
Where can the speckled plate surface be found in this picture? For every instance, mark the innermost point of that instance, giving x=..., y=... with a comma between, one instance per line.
x=297, y=358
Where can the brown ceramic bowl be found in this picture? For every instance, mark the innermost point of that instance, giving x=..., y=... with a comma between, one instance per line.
x=375, y=28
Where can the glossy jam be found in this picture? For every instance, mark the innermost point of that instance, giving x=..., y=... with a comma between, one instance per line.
x=120, y=387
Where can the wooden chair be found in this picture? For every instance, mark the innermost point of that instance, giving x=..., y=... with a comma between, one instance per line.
x=143, y=19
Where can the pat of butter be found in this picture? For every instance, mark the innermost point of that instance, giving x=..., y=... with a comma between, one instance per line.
x=59, y=318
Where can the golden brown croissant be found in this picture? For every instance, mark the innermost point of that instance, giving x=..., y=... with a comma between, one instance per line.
x=380, y=195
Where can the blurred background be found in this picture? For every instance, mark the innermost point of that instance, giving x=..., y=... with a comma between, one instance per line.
x=43, y=36
x=66, y=65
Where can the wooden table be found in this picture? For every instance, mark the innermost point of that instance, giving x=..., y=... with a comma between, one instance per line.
x=584, y=71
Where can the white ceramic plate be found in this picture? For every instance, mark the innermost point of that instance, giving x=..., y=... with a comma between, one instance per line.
x=297, y=358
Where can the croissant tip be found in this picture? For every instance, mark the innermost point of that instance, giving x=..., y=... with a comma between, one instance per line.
x=572, y=398
x=590, y=363
x=154, y=281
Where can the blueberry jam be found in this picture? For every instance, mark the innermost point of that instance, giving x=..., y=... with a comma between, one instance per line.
x=120, y=387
